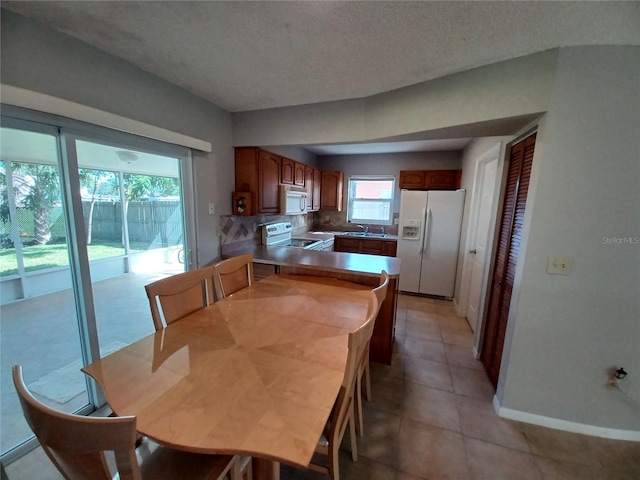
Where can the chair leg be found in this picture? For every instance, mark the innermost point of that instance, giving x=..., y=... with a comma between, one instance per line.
x=240, y=466
x=367, y=375
x=352, y=434
x=358, y=405
x=236, y=470
x=334, y=465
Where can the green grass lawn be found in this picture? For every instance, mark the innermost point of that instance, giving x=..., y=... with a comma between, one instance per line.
x=37, y=257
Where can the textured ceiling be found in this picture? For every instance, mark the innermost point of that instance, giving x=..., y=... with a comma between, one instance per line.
x=243, y=55
x=255, y=55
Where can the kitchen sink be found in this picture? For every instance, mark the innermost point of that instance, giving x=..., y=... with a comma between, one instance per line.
x=363, y=234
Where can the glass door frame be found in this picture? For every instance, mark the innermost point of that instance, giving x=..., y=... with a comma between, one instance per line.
x=66, y=132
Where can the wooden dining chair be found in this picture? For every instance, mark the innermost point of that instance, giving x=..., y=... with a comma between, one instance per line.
x=363, y=365
x=232, y=274
x=343, y=409
x=179, y=295
x=76, y=445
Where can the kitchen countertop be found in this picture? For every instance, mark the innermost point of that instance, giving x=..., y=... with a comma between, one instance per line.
x=330, y=261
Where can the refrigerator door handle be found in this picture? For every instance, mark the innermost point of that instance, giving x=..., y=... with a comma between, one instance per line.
x=422, y=230
x=427, y=233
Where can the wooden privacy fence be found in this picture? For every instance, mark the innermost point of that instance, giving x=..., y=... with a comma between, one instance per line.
x=157, y=222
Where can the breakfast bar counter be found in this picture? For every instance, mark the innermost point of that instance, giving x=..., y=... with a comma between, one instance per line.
x=353, y=267
x=368, y=265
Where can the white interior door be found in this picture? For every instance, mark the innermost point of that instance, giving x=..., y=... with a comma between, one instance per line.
x=485, y=203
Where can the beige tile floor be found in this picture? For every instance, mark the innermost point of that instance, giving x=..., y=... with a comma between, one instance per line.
x=431, y=417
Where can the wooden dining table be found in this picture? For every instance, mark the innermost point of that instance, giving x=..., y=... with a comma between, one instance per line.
x=256, y=373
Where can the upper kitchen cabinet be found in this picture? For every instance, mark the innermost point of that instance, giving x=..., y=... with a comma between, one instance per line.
x=312, y=182
x=317, y=189
x=430, y=179
x=412, y=178
x=298, y=174
x=258, y=172
x=287, y=171
x=331, y=194
x=292, y=172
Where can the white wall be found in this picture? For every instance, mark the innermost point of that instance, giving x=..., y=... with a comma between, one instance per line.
x=567, y=331
x=40, y=59
x=483, y=94
x=296, y=153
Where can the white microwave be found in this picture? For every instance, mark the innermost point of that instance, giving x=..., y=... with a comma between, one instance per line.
x=293, y=200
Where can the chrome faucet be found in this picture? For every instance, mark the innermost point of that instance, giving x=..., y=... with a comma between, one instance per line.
x=382, y=230
x=365, y=228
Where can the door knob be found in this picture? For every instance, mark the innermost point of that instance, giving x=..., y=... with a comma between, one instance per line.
x=473, y=252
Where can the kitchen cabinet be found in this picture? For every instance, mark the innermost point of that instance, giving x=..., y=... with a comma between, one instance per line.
x=370, y=246
x=412, y=178
x=346, y=244
x=317, y=188
x=312, y=179
x=292, y=172
x=287, y=172
x=258, y=171
x=331, y=193
x=298, y=174
x=389, y=248
x=430, y=179
x=261, y=270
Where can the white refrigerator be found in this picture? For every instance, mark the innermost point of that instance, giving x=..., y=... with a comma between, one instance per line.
x=428, y=240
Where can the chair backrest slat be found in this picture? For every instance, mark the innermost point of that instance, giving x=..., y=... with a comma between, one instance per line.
x=76, y=444
x=232, y=274
x=177, y=296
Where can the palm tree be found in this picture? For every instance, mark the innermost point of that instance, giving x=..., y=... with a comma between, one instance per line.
x=41, y=185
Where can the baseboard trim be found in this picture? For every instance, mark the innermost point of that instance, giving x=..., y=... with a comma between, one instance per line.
x=564, y=425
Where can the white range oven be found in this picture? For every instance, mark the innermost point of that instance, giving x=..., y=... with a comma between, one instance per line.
x=280, y=234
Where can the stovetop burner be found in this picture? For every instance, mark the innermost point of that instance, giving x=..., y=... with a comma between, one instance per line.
x=301, y=242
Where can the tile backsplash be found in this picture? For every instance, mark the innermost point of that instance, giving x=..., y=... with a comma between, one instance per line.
x=239, y=229
x=330, y=220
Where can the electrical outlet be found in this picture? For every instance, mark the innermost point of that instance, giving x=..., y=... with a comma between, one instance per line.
x=212, y=209
x=557, y=265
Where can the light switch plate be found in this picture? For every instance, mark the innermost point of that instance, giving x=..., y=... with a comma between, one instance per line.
x=212, y=209
x=557, y=265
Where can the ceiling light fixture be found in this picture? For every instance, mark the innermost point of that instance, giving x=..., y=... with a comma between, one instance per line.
x=127, y=156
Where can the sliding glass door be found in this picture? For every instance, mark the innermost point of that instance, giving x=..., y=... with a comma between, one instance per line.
x=39, y=327
x=134, y=226
x=88, y=217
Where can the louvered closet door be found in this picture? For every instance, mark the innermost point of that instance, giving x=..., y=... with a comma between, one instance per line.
x=509, y=239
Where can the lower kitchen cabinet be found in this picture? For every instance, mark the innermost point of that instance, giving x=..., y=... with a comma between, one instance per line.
x=370, y=246
x=263, y=270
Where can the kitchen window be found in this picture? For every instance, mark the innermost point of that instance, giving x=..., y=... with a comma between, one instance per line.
x=371, y=199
